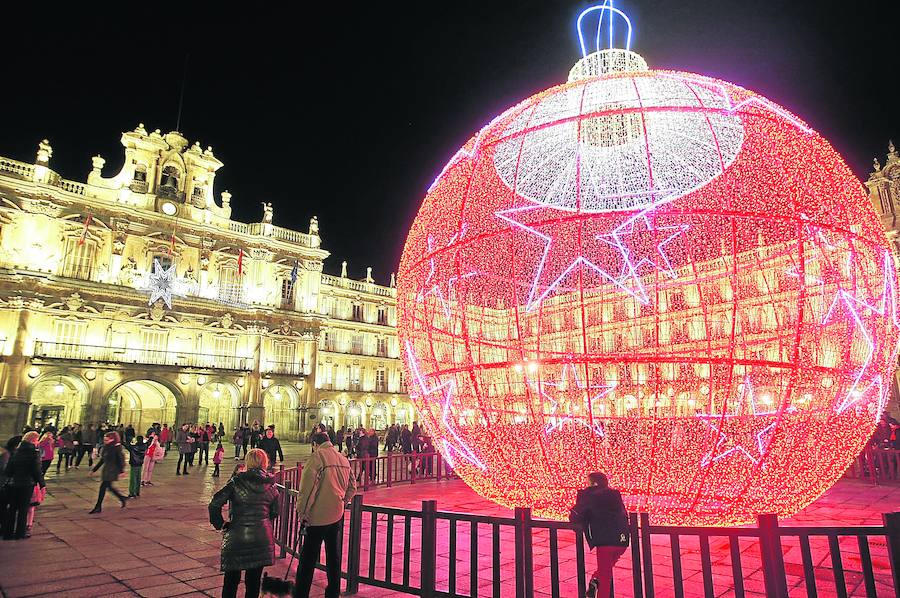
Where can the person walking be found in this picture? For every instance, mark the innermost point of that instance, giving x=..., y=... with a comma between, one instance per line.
x=221, y=432
x=248, y=545
x=326, y=486
x=112, y=460
x=23, y=473
x=255, y=433
x=600, y=512
x=86, y=446
x=236, y=440
x=245, y=438
x=271, y=446
x=372, y=455
x=184, y=441
x=154, y=453
x=47, y=446
x=205, y=438
x=137, y=454
x=65, y=446
x=217, y=459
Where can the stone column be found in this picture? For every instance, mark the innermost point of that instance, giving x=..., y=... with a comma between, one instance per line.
x=13, y=403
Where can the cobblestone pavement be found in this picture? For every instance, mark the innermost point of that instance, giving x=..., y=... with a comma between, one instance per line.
x=162, y=543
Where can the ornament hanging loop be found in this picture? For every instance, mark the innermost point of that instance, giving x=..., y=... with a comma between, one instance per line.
x=605, y=9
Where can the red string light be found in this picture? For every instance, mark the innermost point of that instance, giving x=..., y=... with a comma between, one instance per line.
x=657, y=275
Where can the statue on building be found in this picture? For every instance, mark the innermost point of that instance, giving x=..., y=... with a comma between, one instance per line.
x=344, y=269
x=267, y=212
x=126, y=272
x=314, y=226
x=44, y=153
x=369, y=278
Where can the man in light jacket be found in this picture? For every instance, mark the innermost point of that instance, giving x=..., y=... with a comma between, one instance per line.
x=326, y=486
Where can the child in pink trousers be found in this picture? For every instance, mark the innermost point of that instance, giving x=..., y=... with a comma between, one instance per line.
x=217, y=459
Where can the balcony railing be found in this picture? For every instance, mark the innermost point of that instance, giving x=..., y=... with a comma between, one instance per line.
x=108, y=354
x=288, y=368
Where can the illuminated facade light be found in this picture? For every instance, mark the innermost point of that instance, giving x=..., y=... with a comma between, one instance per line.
x=701, y=277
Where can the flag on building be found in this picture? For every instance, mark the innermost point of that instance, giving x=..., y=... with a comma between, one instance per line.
x=294, y=272
x=240, y=262
x=87, y=223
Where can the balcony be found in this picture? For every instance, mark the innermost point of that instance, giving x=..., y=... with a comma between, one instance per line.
x=108, y=354
x=287, y=368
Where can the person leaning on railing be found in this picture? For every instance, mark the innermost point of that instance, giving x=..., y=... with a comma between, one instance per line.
x=326, y=486
x=600, y=513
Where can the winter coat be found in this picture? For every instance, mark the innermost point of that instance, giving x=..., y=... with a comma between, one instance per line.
x=88, y=437
x=136, y=454
x=272, y=447
x=373, y=447
x=181, y=439
x=112, y=460
x=165, y=435
x=406, y=441
x=362, y=447
x=326, y=485
x=24, y=467
x=601, y=514
x=47, y=449
x=248, y=542
x=238, y=438
x=217, y=457
x=65, y=443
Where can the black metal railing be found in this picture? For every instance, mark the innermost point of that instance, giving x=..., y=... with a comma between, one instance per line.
x=110, y=354
x=879, y=465
x=290, y=368
x=402, y=549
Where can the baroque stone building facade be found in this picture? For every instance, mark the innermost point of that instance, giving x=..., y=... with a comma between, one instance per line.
x=254, y=330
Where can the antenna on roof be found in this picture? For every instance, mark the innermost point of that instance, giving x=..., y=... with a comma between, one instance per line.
x=187, y=58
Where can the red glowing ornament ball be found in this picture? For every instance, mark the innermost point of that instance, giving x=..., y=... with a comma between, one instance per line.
x=654, y=274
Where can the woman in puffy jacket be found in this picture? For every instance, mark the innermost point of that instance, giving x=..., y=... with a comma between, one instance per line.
x=23, y=471
x=249, y=543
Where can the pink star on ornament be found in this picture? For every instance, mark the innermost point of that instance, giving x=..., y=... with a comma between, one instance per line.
x=885, y=307
x=585, y=393
x=434, y=290
x=643, y=245
x=726, y=445
x=564, y=250
x=445, y=390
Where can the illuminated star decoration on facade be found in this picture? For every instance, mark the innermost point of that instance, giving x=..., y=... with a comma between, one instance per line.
x=161, y=283
x=446, y=390
x=587, y=395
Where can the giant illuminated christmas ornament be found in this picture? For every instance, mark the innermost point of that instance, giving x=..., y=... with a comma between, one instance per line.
x=655, y=274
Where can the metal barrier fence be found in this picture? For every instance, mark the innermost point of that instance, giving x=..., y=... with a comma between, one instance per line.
x=876, y=464
x=435, y=553
x=386, y=470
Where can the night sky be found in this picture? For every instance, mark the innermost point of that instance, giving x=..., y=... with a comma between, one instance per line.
x=348, y=111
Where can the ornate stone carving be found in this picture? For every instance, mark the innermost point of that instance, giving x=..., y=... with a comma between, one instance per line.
x=74, y=302
x=267, y=212
x=157, y=310
x=226, y=321
x=258, y=253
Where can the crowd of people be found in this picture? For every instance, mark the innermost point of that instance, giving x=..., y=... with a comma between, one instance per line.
x=326, y=486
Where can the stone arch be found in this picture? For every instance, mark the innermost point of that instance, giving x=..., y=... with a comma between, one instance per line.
x=355, y=414
x=280, y=404
x=380, y=415
x=60, y=397
x=329, y=413
x=218, y=402
x=141, y=401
